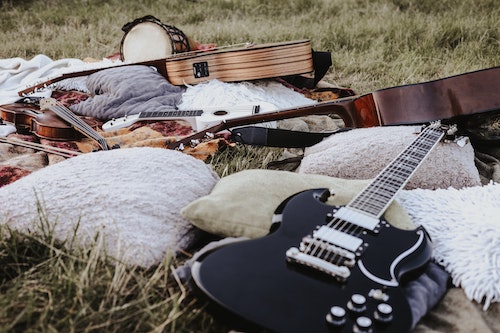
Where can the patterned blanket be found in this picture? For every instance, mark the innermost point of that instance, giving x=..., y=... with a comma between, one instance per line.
x=100, y=103
x=117, y=92
x=104, y=103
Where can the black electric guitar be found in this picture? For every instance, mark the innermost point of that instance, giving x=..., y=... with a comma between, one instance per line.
x=325, y=268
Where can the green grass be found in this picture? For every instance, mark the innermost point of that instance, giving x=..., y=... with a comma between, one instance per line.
x=375, y=44
x=51, y=287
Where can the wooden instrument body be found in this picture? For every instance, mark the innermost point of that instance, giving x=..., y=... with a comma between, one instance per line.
x=253, y=62
x=241, y=64
x=28, y=118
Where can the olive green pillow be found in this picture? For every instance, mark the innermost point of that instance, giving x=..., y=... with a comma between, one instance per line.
x=242, y=204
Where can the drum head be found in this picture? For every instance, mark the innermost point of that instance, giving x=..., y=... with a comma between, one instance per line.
x=146, y=41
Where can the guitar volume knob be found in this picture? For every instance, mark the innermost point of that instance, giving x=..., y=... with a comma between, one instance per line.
x=383, y=313
x=357, y=303
x=336, y=316
x=362, y=325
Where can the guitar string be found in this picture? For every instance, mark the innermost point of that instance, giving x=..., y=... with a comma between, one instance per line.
x=425, y=142
x=72, y=118
x=316, y=249
x=395, y=174
x=170, y=114
x=402, y=169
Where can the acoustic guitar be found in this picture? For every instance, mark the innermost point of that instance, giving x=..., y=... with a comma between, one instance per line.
x=250, y=62
x=322, y=268
x=446, y=98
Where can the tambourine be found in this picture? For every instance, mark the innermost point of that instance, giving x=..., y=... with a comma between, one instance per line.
x=147, y=38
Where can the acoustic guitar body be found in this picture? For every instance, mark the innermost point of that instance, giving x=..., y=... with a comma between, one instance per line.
x=241, y=64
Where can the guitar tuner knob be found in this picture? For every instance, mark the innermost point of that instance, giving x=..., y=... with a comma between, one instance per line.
x=337, y=316
x=357, y=303
x=362, y=325
x=383, y=313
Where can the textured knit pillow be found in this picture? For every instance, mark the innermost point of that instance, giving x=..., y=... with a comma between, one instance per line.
x=131, y=198
x=362, y=153
x=242, y=204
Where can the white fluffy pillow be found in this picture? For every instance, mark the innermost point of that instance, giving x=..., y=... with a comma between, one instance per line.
x=131, y=197
x=465, y=230
x=362, y=153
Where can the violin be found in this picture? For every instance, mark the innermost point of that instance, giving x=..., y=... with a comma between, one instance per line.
x=29, y=118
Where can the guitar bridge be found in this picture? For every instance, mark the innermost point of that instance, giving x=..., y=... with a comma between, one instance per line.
x=328, y=250
x=294, y=255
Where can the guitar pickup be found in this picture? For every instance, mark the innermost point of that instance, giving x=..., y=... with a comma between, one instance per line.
x=358, y=218
x=338, y=238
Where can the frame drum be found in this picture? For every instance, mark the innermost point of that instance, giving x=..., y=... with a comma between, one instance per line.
x=147, y=39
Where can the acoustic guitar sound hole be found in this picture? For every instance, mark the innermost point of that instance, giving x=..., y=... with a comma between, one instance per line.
x=220, y=113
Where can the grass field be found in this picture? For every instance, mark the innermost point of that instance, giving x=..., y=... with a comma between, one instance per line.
x=374, y=43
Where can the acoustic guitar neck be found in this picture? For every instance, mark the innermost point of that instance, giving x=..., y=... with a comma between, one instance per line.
x=446, y=98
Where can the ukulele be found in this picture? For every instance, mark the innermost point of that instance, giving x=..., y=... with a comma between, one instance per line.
x=249, y=62
x=325, y=268
x=198, y=119
x=27, y=117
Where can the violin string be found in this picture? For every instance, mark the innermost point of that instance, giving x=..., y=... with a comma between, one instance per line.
x=80, y=124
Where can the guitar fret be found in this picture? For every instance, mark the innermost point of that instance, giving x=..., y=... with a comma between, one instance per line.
x=376, y=201
x=171, y=114
x=375, y=198
x=371, y=208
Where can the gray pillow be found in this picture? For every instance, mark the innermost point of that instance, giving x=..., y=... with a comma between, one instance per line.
x=362, y=153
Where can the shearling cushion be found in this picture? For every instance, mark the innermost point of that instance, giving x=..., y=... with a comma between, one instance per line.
x=464, y=225
x=362, y=153
x=242, y=204
x=131, y=198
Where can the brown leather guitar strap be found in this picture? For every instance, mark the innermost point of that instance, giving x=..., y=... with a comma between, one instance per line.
x=453, y=98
